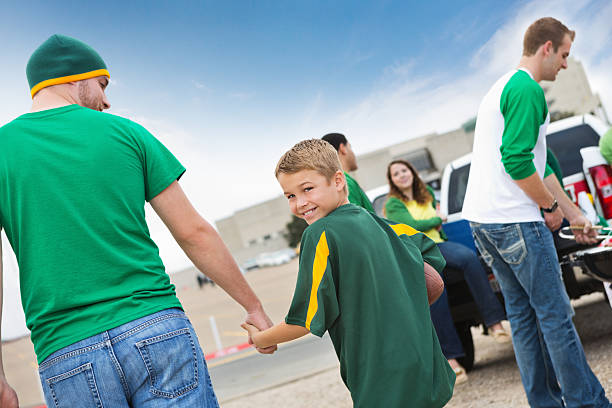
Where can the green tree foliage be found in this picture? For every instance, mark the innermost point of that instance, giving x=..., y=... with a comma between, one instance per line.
x=294, y=230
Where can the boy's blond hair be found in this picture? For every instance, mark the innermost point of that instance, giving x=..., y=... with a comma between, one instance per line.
x=311, y=154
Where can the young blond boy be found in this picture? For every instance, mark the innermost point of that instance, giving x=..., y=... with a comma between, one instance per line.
x=361, y=279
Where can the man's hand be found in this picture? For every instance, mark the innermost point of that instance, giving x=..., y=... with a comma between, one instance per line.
x=8, y=396
x=259, y=319
x=587, y=235
x=253, y=332
x=554, y=219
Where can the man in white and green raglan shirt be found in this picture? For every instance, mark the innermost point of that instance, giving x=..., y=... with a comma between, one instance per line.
x=106, y=324
x=509, y=184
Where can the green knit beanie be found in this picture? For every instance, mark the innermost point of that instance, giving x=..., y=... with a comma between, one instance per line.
x=63, y=59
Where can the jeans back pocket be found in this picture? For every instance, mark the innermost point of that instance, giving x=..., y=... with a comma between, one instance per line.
x=171, y=362
x=509, y=242
x=76, y=387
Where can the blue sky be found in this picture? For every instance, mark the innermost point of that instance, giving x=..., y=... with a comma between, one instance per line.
x=228, y=86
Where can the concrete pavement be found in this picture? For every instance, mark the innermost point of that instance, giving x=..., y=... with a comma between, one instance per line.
x=273, y=285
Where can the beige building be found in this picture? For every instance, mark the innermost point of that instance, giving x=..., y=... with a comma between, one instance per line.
x=571, y=93
x=261, y=228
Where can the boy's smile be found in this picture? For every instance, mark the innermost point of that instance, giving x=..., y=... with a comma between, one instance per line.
x=311, y=195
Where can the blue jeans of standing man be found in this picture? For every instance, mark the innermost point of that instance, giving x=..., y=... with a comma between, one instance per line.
x=155, y=361
x=548, y=351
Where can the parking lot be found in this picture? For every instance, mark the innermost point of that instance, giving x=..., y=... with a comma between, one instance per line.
x=494, y=382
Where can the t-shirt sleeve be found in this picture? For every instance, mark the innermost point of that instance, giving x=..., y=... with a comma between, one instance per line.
x=524, y=110
x=548, y=171
x=357, y=196
x=160, y=166
x=429, y=250
x=315, y=303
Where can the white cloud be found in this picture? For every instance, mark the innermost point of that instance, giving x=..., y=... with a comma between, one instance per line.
x=200, y=85
x=409, y=105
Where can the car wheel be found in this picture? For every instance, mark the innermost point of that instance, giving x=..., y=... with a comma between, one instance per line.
x=465, y=335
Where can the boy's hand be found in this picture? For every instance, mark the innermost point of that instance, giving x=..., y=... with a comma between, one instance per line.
x=253, y=332
x=260, y=320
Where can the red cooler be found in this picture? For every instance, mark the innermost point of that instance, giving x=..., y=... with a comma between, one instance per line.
x=574, y=185
x=601, y=178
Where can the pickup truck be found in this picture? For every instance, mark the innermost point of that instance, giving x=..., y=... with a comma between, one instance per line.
x=583, y=268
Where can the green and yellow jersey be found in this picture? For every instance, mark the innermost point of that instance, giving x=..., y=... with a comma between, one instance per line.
x=361, y=279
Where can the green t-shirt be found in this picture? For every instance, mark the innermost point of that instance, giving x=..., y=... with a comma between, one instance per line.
x=356, y=194
x=605, y=146
x=361, y=279
x=73, y=184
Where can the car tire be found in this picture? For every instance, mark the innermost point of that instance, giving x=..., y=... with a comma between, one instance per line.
x=465, y=335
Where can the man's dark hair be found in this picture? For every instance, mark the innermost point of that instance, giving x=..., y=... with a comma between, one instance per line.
x=335, y=139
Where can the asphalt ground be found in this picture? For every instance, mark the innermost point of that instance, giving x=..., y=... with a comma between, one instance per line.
x=305, y=373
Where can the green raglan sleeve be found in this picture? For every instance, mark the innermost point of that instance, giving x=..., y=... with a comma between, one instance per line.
x=315, y=303
x=396, y=211
x=429, y=250
x=356, y=195
x=523, y=107
x=160, y=166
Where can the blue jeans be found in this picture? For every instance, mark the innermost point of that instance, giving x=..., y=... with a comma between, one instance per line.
x=155, y=361
x=548, y=351
x=462, y=258
x=445, y=328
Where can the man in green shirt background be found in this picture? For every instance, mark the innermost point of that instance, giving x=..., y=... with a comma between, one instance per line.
x=349, y=163
x=107, y=327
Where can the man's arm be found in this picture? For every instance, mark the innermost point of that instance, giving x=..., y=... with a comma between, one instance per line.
x=280, y=333
x=573, y=214
x=535, y=189
x=203, y=245
x=8, y=396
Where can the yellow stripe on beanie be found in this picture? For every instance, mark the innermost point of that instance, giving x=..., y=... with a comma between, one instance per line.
x=69, y=78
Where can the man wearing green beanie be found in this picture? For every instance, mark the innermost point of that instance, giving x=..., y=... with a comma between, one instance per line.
x=105, y=321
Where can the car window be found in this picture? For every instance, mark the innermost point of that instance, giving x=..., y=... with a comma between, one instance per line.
x=379, y=204
x=566, y=145
x=457, y=186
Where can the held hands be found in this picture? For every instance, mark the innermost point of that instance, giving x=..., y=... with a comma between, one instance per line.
x=253, y=333
x=8, y=396
x=259, y=321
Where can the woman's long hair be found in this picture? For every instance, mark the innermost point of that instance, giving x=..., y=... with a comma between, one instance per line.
x=419, y=191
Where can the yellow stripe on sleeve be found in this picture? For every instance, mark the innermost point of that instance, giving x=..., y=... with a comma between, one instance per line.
x=318, y=269
x=404, y=229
